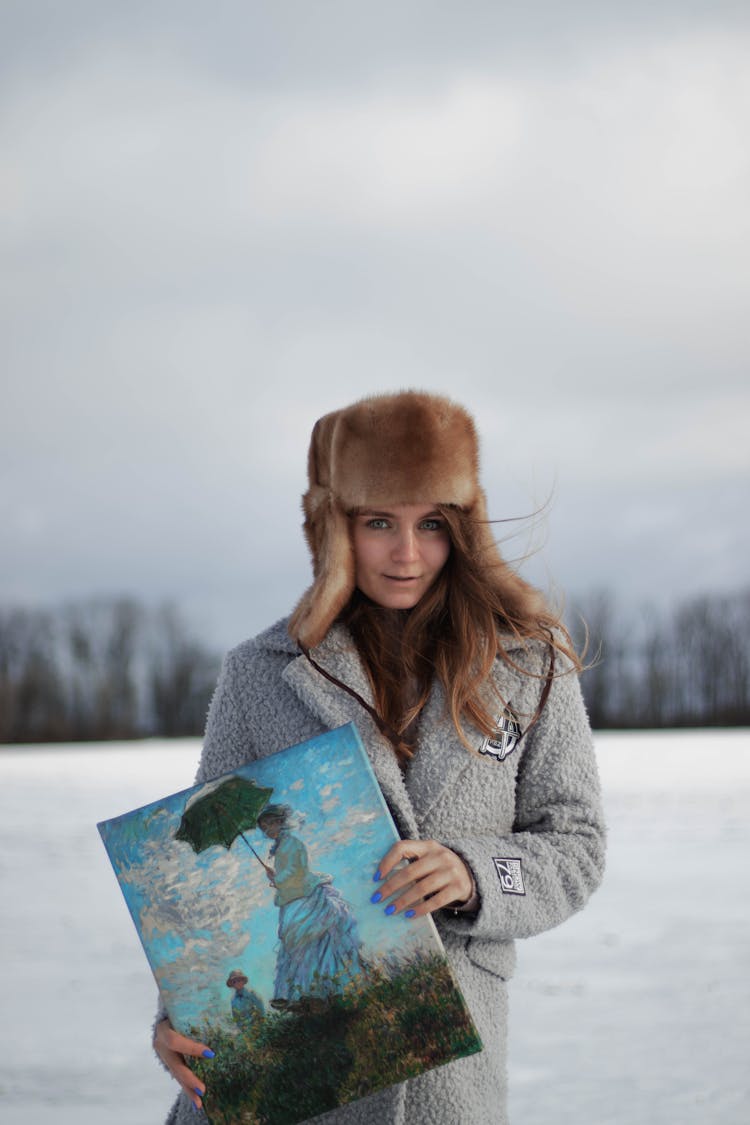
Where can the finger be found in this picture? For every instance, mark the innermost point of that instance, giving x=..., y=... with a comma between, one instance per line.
x=405, y=877
x=402, y=851
x=190, y=1083
x=173, y=1041
x=438, y=870
x=439, y=882
x=431, y=856
x=425, y=888
x=171, y=1046
x=194, y=1087
x=430, y=905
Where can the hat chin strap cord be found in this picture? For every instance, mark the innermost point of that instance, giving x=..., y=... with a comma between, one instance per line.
x=385, y=729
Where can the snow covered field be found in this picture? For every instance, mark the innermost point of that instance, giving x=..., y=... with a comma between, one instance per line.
x=635, y=1012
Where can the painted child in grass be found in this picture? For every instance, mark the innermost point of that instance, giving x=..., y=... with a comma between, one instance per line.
x=247, y=1006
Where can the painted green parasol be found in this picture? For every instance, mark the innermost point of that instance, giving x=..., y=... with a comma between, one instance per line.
x=223, y=814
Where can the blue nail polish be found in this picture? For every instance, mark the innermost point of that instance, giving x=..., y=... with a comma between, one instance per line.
x=197, y=1091
x=409, y=914
x=208, y=1053
x=390, y=909
x=377, y=876
x=376, y=897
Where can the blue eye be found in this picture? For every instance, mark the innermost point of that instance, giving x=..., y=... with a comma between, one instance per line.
x=432, y=525
x=377, y=523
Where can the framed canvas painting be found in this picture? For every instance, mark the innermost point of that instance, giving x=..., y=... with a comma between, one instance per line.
x=251, y=897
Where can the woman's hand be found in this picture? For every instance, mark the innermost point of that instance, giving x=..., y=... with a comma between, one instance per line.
x=435, y=877
x=170, y=1046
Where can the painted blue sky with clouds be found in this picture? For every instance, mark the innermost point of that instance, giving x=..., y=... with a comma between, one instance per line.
x=200, y=916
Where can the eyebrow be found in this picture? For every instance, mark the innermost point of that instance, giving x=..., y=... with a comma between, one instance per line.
x=391, y=515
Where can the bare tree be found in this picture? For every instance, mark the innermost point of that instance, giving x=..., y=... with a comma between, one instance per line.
x=31, y=687
x=100, y=638
x=182, y=676
x=598, y=635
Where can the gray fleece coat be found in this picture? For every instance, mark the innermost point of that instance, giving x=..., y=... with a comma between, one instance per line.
x=529, y=826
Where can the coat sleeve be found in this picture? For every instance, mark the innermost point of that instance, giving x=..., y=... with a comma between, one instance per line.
x=227, y=743
x=536, y=876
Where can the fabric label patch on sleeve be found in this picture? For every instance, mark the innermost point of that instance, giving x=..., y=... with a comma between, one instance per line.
x=510, y=875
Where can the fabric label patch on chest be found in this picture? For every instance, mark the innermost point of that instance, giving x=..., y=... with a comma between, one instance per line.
x=504, y=738
x=510, y=875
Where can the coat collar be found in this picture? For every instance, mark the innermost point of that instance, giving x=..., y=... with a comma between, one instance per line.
x=441, y=757
x=334, y=707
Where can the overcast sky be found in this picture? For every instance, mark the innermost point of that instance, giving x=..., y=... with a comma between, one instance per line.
x=219, y=222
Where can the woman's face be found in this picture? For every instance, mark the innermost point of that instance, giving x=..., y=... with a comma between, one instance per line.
x=399, y=550
x=270, y=826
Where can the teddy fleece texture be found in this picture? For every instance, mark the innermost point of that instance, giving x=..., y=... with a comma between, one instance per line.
x=540, y=806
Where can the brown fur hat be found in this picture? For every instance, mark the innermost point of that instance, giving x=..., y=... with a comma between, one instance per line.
x=408, y=448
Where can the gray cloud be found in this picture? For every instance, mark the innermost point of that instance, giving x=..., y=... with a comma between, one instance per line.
x=213, y=233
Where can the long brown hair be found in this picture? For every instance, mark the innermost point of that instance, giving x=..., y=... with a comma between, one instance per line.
x=452, y=634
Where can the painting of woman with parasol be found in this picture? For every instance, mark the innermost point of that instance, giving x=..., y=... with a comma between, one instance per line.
x=319, y=951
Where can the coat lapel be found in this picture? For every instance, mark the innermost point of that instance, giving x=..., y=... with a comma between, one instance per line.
x=334, y=707
x=441, y=757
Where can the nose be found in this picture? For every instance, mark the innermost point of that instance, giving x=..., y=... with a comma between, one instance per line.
x=405, y=548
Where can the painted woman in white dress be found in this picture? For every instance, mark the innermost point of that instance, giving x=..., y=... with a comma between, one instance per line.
x=319, y=951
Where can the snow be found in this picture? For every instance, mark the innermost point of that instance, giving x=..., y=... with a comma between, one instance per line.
x=637, y=1010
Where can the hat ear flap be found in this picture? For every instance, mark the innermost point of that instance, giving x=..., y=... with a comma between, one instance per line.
x=327, y=531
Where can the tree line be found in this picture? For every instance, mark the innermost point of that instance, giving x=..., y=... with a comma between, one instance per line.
x=101, y=668
x=686, y=666
x=111, y=668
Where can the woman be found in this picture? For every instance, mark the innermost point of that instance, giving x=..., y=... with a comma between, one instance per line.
x=462, y=684
x=319, y=942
